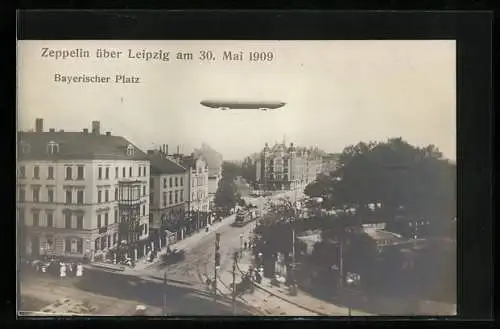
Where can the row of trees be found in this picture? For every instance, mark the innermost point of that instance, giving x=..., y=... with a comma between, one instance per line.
x=395, y=174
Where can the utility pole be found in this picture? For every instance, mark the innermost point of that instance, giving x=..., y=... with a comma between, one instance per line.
x=341, y=262
x=165, y=293
x=235, y=259
x=217, y=262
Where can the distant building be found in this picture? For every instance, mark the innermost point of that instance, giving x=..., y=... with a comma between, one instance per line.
x=81, y=194
x=168, y=186
x=287, y=168
x=213, y=160
x=197, y=201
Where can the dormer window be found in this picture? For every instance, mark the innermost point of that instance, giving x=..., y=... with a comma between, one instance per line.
x=25, y=147
x=52, y=148
x=130, y=150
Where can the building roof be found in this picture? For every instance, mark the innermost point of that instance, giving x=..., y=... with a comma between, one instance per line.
x=163, y=165
x=210, y=156
x=76, y=145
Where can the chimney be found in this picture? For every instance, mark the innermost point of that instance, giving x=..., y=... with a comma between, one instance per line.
x=108, y=133
x=52, y=130
x=96, y=127
x=85, y=131
x=39, y=125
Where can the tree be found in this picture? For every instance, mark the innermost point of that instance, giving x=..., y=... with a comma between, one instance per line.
x=227, y=195
x=395, y=174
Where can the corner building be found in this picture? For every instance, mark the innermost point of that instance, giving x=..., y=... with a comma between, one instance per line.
x=287, y=168
x=81, y=194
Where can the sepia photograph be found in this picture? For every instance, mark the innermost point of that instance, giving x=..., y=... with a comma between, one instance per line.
x=236, y=178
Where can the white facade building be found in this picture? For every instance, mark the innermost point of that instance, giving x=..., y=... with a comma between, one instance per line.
x=70, y=193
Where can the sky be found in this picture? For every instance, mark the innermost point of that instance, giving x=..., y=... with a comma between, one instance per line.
x=336, y=93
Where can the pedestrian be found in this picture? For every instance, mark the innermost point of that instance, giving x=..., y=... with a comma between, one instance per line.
x=245, y=245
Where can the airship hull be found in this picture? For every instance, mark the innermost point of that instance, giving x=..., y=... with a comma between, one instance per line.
x=242, y=105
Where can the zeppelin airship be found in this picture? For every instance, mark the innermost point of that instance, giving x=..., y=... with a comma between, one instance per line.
x=225, y=105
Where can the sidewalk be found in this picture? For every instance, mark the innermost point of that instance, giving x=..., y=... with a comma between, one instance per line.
x=264, y=302
x=303, y=300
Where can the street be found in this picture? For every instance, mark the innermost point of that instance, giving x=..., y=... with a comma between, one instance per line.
x=186, y=291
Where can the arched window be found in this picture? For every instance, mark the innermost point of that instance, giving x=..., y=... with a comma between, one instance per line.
x=52, y=148
x=130, y=150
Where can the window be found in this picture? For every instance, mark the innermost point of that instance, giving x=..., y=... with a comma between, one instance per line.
x=109, y=241
x=144, y=210
x=36, y=218
x=116, y=216
x=50, y=243
x=182, y=181
x=99, y=221
x=22, y=172
x=182, y=195
x=99, y=176
x=36, y=172
x=79, y=172
x=116, y=193
x=130, y=151
x=164, y=183
x=99, y=196
x=123, y=172
x=69, y=197
x=144, y=191
x=79, y=222
x=74, y=244
x=79, y=246
x=79, y=197
x=130, y=172
x=107, y=172
x=170, y=182
x=151, y=183
x=116, y=172
x=114, y=239
x=67, y=220
x=139, y=171
x=176, y=196
x=145, y=171
x=22, y=194
x=69, y=174
x=176, y=181
x=106, y=219
x=103, y=242
x=50, y=195
x=106, y=196
x=170, y=197
x=164, y=199
x=50, y=219
x=52, y=148
x=36, y=194
x=145, y=228
x=67, y=245
x=51, y=173
x=192, y=182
